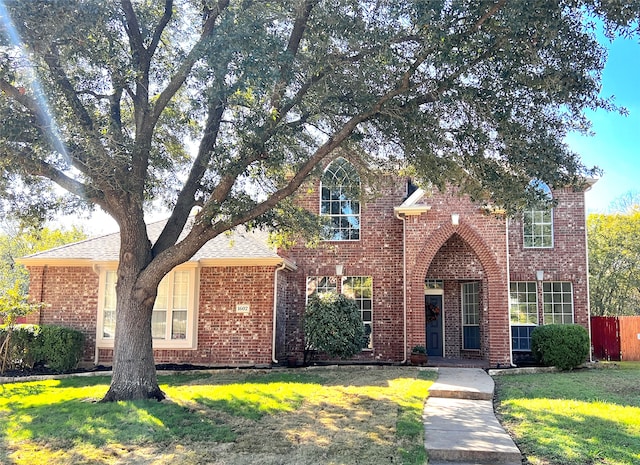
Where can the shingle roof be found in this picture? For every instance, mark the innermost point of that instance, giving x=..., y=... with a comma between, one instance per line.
x=238, y=244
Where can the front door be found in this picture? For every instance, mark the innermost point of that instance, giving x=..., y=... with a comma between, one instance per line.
x=433, y=317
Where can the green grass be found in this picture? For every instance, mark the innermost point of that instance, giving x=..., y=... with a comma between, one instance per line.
x=347, y=415
x=580, y=417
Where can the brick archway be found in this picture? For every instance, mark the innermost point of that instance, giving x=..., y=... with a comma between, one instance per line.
x=497, y=314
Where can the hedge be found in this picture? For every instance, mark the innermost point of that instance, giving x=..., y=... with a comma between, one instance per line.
x=57, y=347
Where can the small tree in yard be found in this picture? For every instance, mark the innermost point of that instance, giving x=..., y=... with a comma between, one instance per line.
x=332, y=324
x=233, y=105
x=13, y=305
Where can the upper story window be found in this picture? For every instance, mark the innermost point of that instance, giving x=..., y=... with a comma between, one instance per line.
x=340, y=191
x=538, y=224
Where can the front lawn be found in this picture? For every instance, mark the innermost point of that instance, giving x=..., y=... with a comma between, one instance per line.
x=580, y=417
x=350, y=415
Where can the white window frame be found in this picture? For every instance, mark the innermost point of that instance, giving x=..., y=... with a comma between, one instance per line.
x=468, y=305
x=361, y=304
x=535, y=223
x=190, y=342
x=557, y=297
x=523, y=301
x=331, y=231
x=529, y=303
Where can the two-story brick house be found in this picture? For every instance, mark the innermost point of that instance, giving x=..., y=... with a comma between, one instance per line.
x=426, y=268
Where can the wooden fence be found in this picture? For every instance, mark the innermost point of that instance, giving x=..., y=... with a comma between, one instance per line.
x=615, y=337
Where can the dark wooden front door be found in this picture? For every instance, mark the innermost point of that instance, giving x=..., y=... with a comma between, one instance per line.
x=433, y=317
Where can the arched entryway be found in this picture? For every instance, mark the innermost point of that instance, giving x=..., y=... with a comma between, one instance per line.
x=458, y=297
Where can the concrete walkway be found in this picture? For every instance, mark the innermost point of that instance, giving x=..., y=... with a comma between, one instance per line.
x=460, y=425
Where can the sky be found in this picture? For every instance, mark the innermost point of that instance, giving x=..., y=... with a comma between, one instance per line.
x=615, y=148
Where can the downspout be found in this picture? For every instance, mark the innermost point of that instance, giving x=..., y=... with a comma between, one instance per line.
x=275, y=311
x=96, y=353
x=403, y=218
x=508, y=294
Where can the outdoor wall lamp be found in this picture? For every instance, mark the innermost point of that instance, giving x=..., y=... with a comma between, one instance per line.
x=455, y=219
x=540, y=275
x=339, y=270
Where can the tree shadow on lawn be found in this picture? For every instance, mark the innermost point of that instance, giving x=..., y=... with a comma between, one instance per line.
x=282, y=420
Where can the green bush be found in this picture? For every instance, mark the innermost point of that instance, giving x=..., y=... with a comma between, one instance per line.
x=59, y=348
x=562, y=346
x=18, y=343
x=332, y=324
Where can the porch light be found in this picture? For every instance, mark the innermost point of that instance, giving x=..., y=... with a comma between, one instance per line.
x=455, y=219
x=540, y=275
x=339, y=270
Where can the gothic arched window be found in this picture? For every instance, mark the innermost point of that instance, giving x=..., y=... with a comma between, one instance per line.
x=340, y=193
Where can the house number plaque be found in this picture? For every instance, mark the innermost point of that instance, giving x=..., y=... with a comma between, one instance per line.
x=243, y=308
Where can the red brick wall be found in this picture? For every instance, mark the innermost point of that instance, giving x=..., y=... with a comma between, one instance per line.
x=566, y=261
x=378, y=254
x=70, y=295
x=224, y=336
x=475, y=249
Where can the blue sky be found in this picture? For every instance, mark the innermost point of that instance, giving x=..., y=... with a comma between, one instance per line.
x=616, y=146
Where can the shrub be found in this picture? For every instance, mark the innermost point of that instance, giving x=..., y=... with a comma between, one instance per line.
x=59, y=348
x=18, y=343
x=562, y=346
x=332, y=324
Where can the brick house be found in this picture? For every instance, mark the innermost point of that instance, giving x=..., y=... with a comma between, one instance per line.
x=426, y=268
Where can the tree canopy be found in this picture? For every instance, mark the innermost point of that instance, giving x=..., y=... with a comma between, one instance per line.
x=19, y=241
x=614, y=263
x=232, y=105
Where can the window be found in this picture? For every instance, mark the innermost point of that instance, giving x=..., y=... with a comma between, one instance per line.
x=173, y=317
x=557, y=298
x=538, y=224
x=523, y=309
x=471, y=316
x=109, y=306
x=523, y=303
x=321, y=284
x=169, y=319
x=360, y=289
x=521, y=338
x=340, y=190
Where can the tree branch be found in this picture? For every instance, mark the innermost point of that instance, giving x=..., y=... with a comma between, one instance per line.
x=186, y=197
x=186, y=66
x=295, y=38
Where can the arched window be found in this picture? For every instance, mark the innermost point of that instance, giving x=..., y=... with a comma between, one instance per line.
x=340, y=192
x=538, y=224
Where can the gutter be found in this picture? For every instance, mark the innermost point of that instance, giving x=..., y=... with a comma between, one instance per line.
x=513, y=365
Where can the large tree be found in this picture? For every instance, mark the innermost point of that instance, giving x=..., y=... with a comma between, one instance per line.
x=232, y=105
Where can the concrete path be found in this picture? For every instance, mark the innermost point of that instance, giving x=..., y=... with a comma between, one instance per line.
x=460, y=425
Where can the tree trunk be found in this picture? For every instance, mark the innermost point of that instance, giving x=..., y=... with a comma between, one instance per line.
x=134, y=371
